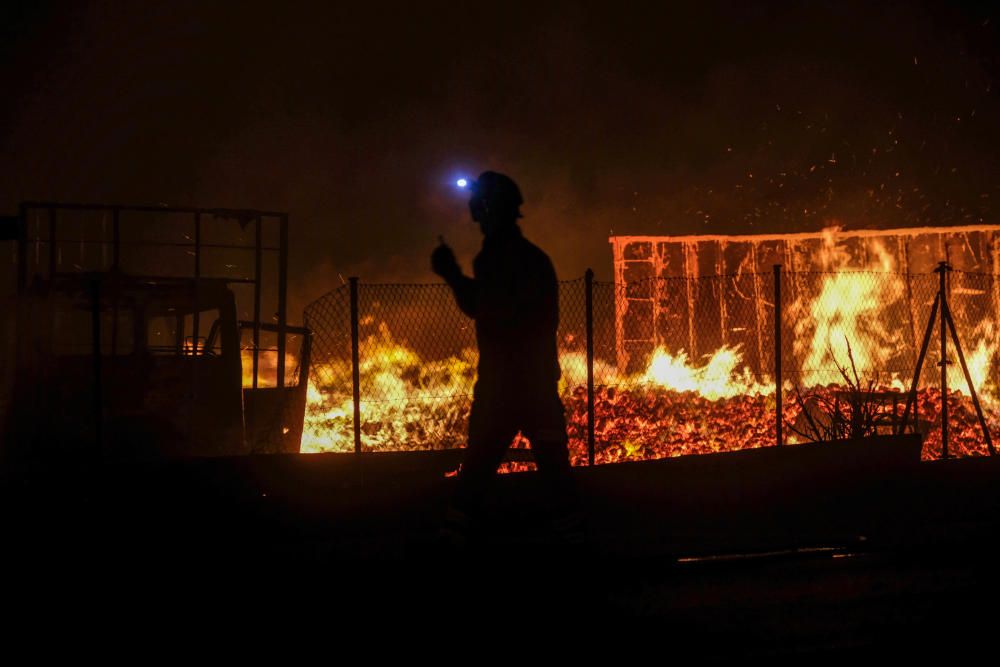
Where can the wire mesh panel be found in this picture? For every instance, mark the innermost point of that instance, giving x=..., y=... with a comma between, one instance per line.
x=417, y=368
x=329, y=419
x=691, y=369
x=849, y=347
x=572, y=344
x=417, y=356
x=418, y=360
x=833, y=320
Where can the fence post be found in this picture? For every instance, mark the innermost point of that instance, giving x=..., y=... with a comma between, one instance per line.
x=777, y=355
x=282, y=296
x=356, y=364
x=53, y=246
x=22, y=252
x=943, y=269
x=95, y=332
x=588, y=282
x=257, y=277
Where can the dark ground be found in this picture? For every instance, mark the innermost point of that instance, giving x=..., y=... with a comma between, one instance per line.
x=764, y=553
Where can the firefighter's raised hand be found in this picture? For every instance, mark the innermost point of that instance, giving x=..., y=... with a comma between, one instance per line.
x=443, y=262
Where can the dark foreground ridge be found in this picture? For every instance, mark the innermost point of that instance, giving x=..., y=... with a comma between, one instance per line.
x=791, y=551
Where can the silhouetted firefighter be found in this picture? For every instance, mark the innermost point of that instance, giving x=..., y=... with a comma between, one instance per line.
x=514, y=298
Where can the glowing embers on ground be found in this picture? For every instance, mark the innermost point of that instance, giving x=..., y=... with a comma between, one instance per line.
x=674, y=407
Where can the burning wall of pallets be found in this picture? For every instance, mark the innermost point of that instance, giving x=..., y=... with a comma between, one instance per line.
x=700, y=293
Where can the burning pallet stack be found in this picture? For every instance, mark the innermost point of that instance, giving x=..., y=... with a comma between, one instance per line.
x=700, y=293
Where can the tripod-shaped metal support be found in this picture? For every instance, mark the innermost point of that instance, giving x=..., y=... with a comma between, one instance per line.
x=947, y=324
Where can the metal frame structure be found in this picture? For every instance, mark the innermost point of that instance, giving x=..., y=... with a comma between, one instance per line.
x=51, y=210
x=947, y=324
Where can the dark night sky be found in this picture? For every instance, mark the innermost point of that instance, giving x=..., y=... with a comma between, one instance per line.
x=710, y=118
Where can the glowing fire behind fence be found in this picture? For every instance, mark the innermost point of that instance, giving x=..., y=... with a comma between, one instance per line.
x=670, y=377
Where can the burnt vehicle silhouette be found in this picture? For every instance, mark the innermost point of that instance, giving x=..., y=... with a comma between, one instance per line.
x=120, y=354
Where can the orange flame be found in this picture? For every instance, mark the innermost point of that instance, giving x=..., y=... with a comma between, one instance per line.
x=847, y=311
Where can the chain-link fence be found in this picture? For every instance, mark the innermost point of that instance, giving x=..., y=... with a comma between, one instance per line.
x=679, y=365
x=852, y=343
x=849, y=346
x=687, y=367
x=415, y=374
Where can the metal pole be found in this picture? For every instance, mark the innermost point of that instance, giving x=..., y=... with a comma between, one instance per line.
x=968, y=378
x=52, y=243
x=115, y=287
x=116, y=240
x=282, y=295
x=356, y=364
x=588, y=282
x=911, y=398
x=114, y=318
x=777, y=355
x=942, y=269
x=196, y=324
x=22, y=250
x=195, y=319
x=95, y=323
x=256, y=299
